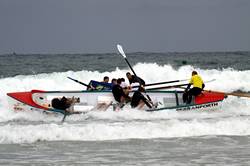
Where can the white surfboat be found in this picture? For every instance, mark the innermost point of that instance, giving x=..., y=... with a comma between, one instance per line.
x=38, y=100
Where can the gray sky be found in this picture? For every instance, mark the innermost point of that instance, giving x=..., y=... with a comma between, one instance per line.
x=96, y=26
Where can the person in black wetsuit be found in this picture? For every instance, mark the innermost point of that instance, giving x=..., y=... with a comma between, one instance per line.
x=118, y=92
x=64, y=103
x=134, y=79
x=139, y=100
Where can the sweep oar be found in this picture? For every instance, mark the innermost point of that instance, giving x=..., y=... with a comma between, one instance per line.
x=237, y=94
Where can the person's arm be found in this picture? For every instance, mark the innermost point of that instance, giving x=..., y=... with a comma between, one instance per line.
x=189, y=85
x=187, y=88
x=146, y=101
x=203, y=86
x=141, y=81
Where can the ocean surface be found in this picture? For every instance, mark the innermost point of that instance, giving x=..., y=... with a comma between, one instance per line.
x=221, y=137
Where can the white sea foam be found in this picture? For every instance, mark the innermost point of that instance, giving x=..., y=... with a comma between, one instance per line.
x=14, y=133
x=231, y=119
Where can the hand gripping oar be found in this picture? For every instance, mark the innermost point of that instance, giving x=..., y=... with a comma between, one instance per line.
x=79, y=82
x=119, y=47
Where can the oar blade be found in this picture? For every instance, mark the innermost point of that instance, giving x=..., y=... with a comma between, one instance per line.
x=119, y=47
x=239, y=94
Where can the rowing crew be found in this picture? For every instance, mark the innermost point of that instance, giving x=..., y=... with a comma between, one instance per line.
x=121, y=92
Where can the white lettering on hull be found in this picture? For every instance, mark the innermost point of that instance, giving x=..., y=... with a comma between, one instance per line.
x=200, y=107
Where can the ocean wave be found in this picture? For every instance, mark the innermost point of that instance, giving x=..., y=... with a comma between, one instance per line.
x=231, y=119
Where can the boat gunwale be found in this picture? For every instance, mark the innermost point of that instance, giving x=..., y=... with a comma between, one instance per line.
x=107, y=91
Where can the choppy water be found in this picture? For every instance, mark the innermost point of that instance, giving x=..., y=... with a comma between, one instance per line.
x=216, y=150
x=23, y=64
x=128, y=137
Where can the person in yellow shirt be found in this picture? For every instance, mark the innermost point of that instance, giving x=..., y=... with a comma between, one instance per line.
x=198, y=86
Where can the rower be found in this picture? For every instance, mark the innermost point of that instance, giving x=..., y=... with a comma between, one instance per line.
x=114, y=81
x=198, y=86
x=106, y=79
x=64, y=103
x=103, y=85
x=119, y=94
x=139, y=100
x=134, y=79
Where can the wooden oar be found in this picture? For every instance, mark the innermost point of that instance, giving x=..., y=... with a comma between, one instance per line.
x=237, y=94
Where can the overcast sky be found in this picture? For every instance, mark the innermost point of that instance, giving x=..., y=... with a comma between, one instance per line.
x=96, y=26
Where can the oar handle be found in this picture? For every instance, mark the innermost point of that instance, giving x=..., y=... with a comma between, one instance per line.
x=159, y=83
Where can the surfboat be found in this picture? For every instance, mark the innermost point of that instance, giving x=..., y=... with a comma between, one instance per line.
x=38, y=100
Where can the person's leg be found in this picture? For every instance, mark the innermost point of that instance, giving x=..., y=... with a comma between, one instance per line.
x=190, y=95
x=118, y=106
x=103, y=106
x=185, y=97
x=135, y=100
x=196, y=91
x=193, y=92
x=140, y=105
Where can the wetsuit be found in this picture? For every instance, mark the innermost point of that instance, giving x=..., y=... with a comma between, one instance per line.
x=61, y=104
x=118, y=92
x=136, y=99
x=135, y=79
x=99, y=85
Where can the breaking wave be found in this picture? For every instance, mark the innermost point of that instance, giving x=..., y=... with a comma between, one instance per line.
x=231, y=119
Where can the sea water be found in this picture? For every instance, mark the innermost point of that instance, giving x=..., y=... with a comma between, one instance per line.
x=128, y=137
